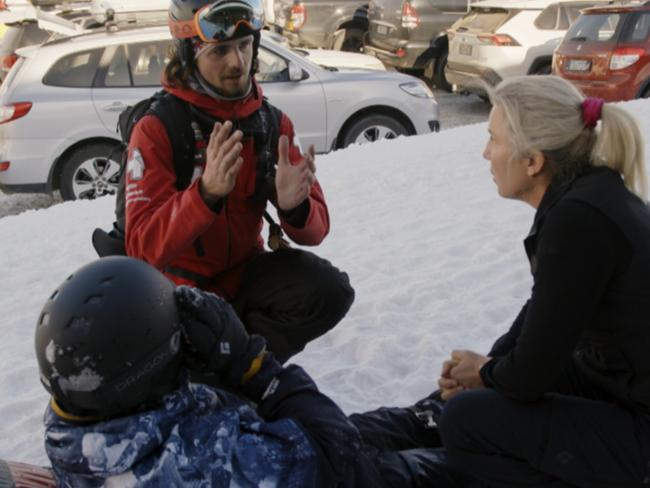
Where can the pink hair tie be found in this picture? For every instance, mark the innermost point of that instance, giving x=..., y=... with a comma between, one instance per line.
x=592, y=109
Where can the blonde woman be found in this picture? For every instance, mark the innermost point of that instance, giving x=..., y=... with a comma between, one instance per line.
x=563, y=399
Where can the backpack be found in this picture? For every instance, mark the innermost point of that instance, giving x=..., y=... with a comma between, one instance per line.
x=180, y=118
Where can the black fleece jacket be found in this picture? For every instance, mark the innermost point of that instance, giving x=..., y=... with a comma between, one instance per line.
x=586, y=328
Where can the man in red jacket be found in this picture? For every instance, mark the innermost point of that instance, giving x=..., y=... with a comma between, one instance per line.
x=208, y=234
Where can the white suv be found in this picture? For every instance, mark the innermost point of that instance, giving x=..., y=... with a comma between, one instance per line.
x=60, y=103
x=501, y=38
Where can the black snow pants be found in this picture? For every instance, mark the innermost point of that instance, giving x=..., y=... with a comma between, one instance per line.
x=291, y=297
x=402, y=449
x=559, y=442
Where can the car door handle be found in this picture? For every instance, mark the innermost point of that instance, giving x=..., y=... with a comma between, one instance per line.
x=114, y=107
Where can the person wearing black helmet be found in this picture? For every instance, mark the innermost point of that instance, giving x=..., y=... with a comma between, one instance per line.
x=114, y=343
x=208, y=234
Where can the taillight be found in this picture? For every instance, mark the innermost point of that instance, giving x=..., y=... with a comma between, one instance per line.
x=14, y=111
x=8, y=61
x=298, y=16
x=623, y=57
x=497, y=40
x=3, y=5
x=410, y=17
x=4, y=166
x=450, y=34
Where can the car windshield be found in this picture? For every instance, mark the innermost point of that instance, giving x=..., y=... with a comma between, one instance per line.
x=594, y=27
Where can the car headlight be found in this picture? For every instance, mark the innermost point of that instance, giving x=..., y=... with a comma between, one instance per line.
x=417, y=89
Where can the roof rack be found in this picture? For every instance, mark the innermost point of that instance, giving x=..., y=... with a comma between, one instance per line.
x=113, y=20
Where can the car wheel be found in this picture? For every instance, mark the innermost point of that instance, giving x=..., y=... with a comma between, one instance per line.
x=371, y=128
x=439, y=78
x=353, y=40
x=646, y=93
x=90, y=171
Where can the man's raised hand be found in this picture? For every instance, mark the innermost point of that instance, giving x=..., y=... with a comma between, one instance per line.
x=293, y=182
x=223, y=162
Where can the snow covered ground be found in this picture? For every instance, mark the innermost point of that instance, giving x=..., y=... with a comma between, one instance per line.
x=434, y=254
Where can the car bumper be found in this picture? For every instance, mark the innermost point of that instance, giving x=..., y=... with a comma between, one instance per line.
x=408, y=56
x=615, y=89
x=425, y=115
x=465, y=78
x=29, y=164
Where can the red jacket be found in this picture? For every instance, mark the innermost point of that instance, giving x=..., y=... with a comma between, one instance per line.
x=164, y=224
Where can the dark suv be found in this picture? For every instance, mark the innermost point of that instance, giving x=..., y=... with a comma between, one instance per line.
x=412, y=34
x=606, y=53
x=333, y=24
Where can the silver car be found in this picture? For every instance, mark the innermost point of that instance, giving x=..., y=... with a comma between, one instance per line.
x=60, y=103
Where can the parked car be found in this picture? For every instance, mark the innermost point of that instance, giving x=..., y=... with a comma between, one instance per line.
x=337, y=24
x=17, y=36
x=411, y=35
x=60, y=103
x=31, y=23
x=502, y=38
x=606, y=53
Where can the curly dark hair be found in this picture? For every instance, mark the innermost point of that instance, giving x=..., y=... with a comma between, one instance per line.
x=176, y=75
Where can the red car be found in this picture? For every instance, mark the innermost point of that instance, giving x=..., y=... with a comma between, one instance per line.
x=606, y=52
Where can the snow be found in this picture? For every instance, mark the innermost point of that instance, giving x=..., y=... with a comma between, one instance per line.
x=434, y=254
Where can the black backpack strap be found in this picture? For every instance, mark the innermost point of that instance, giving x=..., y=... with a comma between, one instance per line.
x=176, y=116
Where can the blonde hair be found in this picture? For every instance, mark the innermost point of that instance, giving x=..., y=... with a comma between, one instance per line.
x=544, y=113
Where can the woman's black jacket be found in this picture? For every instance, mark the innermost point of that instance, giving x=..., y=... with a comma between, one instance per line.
x=586, y=328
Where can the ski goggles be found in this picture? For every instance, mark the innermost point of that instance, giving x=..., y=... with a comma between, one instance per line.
x=220, y=20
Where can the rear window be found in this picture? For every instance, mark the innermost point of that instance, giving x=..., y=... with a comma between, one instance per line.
x=559, y=17
x=595, y=27
x=75, y=70
x=483, y=19
x=637, y=28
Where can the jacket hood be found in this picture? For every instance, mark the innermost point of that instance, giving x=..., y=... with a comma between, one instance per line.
x=221, y=109
x=199, y=436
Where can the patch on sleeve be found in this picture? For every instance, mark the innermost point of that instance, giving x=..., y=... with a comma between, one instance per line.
x=135, y=165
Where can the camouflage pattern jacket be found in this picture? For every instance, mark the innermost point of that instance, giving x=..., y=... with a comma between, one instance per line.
x=202, y=436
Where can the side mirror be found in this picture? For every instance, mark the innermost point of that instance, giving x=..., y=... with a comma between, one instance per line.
x=296, y=73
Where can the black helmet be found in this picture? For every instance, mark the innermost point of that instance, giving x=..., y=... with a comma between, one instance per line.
x=108, y=338
x=222, y=20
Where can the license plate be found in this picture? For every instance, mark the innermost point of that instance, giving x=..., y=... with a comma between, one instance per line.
x=578, y=65
x=382, y=29
x=465, y=49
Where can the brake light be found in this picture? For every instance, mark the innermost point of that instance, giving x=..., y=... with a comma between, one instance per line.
x=298, y=16
x=14, y=111
x=401, y=52
x=4, y=166
x=410, y=17
x=497, y=40
x=8, y=61
x=3, y=5
x=624, y=57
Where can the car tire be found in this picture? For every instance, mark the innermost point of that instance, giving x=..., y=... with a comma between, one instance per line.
x=439, y=78
x=90, y=171
x=371, y=128
x=646, y=93
x=353, y=40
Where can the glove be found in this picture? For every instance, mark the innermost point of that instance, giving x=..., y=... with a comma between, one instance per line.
x=215, y=338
